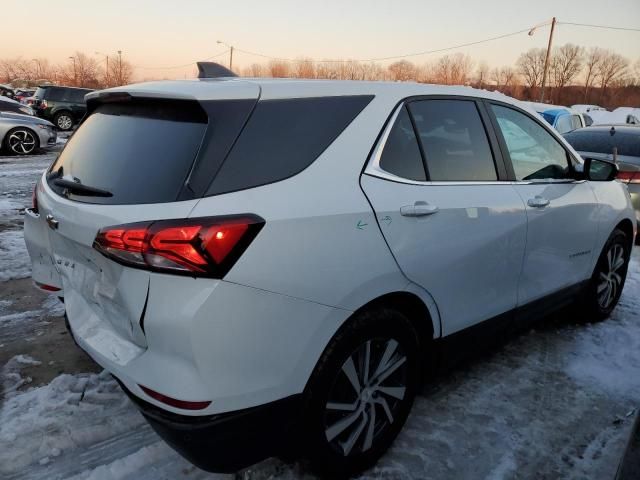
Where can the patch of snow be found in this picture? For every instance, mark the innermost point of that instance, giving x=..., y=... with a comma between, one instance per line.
x=71, y=414
x=13, y=256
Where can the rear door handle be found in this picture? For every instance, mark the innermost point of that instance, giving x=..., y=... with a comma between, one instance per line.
x=538, y=202
x=418, y=209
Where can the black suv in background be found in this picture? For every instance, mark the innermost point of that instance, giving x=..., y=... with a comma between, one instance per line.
x=64, y=106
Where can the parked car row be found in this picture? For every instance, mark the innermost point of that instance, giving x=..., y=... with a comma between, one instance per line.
x=31, y=124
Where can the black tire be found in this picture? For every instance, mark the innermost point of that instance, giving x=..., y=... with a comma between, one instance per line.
x=332, y=449
x=63, y=121
x=607, y=281
x=21, y=141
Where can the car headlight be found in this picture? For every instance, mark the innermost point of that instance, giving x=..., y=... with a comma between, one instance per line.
x=44, y=127
x=27, y=110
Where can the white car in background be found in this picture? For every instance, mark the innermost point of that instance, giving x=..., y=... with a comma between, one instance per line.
x=267, y=266
x=617, y=117
x=582, y=108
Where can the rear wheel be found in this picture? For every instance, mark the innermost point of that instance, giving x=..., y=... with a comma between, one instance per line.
x=607, y=281
x=63, y=120
x=361, y=392
x=21, y=141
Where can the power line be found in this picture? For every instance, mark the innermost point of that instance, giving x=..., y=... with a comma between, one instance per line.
x=609, y=27
x=393, y=57
x=184, y=64
x=380, y=59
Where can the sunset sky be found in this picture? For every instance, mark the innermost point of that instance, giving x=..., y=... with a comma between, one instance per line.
x=160, y=33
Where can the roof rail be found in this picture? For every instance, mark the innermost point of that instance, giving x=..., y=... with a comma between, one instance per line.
x=213, y=70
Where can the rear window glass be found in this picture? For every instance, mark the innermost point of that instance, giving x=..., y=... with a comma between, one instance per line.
x=603, y=142
x=140, y=152
x=283, y=137
x=401, y=155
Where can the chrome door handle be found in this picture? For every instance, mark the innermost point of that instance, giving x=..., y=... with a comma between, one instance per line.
x=538, y=202
x=418, y=209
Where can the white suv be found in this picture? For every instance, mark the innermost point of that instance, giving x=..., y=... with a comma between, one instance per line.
x=268, y=266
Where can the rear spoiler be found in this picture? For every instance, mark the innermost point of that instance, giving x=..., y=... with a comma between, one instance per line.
x=213, y=70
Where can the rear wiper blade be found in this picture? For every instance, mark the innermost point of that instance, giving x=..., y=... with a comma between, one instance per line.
x=80, y=189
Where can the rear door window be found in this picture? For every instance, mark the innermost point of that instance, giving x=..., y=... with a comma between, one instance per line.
x=454, y=140
x=141, y=152
x=401, y=155
x=283, y=137
x=55, y=94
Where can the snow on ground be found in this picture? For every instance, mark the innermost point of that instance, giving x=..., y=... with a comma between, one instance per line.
x=557, y=402
x=13, y=256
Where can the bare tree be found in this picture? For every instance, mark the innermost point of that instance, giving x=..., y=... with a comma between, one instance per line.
x=304, y=68
x=593, y=59
x=278, y=69
x=503, y=77
x=80, y=71
x=482, y=74
x=254, y=70
x=402, y=70
x=612, y=67
x=566, y=64
x=120, y=72
x=453, y=69
x=531, y=66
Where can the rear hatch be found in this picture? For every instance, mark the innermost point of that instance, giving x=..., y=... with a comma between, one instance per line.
x=129, y=161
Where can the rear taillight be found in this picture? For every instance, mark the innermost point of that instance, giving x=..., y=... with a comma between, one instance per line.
x=206, y=247
x=628, y=177
x=42, y=104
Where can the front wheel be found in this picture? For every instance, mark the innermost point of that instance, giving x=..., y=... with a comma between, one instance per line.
x=607, y=281
x=361, y=392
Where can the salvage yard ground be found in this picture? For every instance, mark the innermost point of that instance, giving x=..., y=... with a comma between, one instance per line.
x=557, y=402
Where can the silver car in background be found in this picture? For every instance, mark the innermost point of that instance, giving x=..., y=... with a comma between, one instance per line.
x=25, y=135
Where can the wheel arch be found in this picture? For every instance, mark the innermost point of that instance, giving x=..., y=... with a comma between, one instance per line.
x=627, y=227
x=411, y=306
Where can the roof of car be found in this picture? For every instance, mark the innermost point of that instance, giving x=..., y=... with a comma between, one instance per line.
x=273, y=88
x=623, y=128
x=64, y=86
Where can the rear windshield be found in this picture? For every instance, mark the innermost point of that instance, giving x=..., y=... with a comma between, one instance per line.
x=602, y=141
x=140, y=152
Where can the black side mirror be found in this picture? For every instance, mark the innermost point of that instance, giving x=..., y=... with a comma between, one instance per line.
x=598, y=170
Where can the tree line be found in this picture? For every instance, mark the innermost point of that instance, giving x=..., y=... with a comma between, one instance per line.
x=575, y=74
x=79, y=70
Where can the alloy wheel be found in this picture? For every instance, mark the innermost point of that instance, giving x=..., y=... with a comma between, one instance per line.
x=64, y=122
x=22, y=142
x=611, y=276
x=366, y=396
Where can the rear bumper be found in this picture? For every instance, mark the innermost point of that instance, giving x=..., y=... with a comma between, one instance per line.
x=228, y=442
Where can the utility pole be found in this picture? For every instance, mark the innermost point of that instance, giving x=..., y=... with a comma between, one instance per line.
x=230, y=52
x=546, y=60
x=120, y=66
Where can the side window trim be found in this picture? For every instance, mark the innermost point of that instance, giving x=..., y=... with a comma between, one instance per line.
x=505, y=151
x=502, y=166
